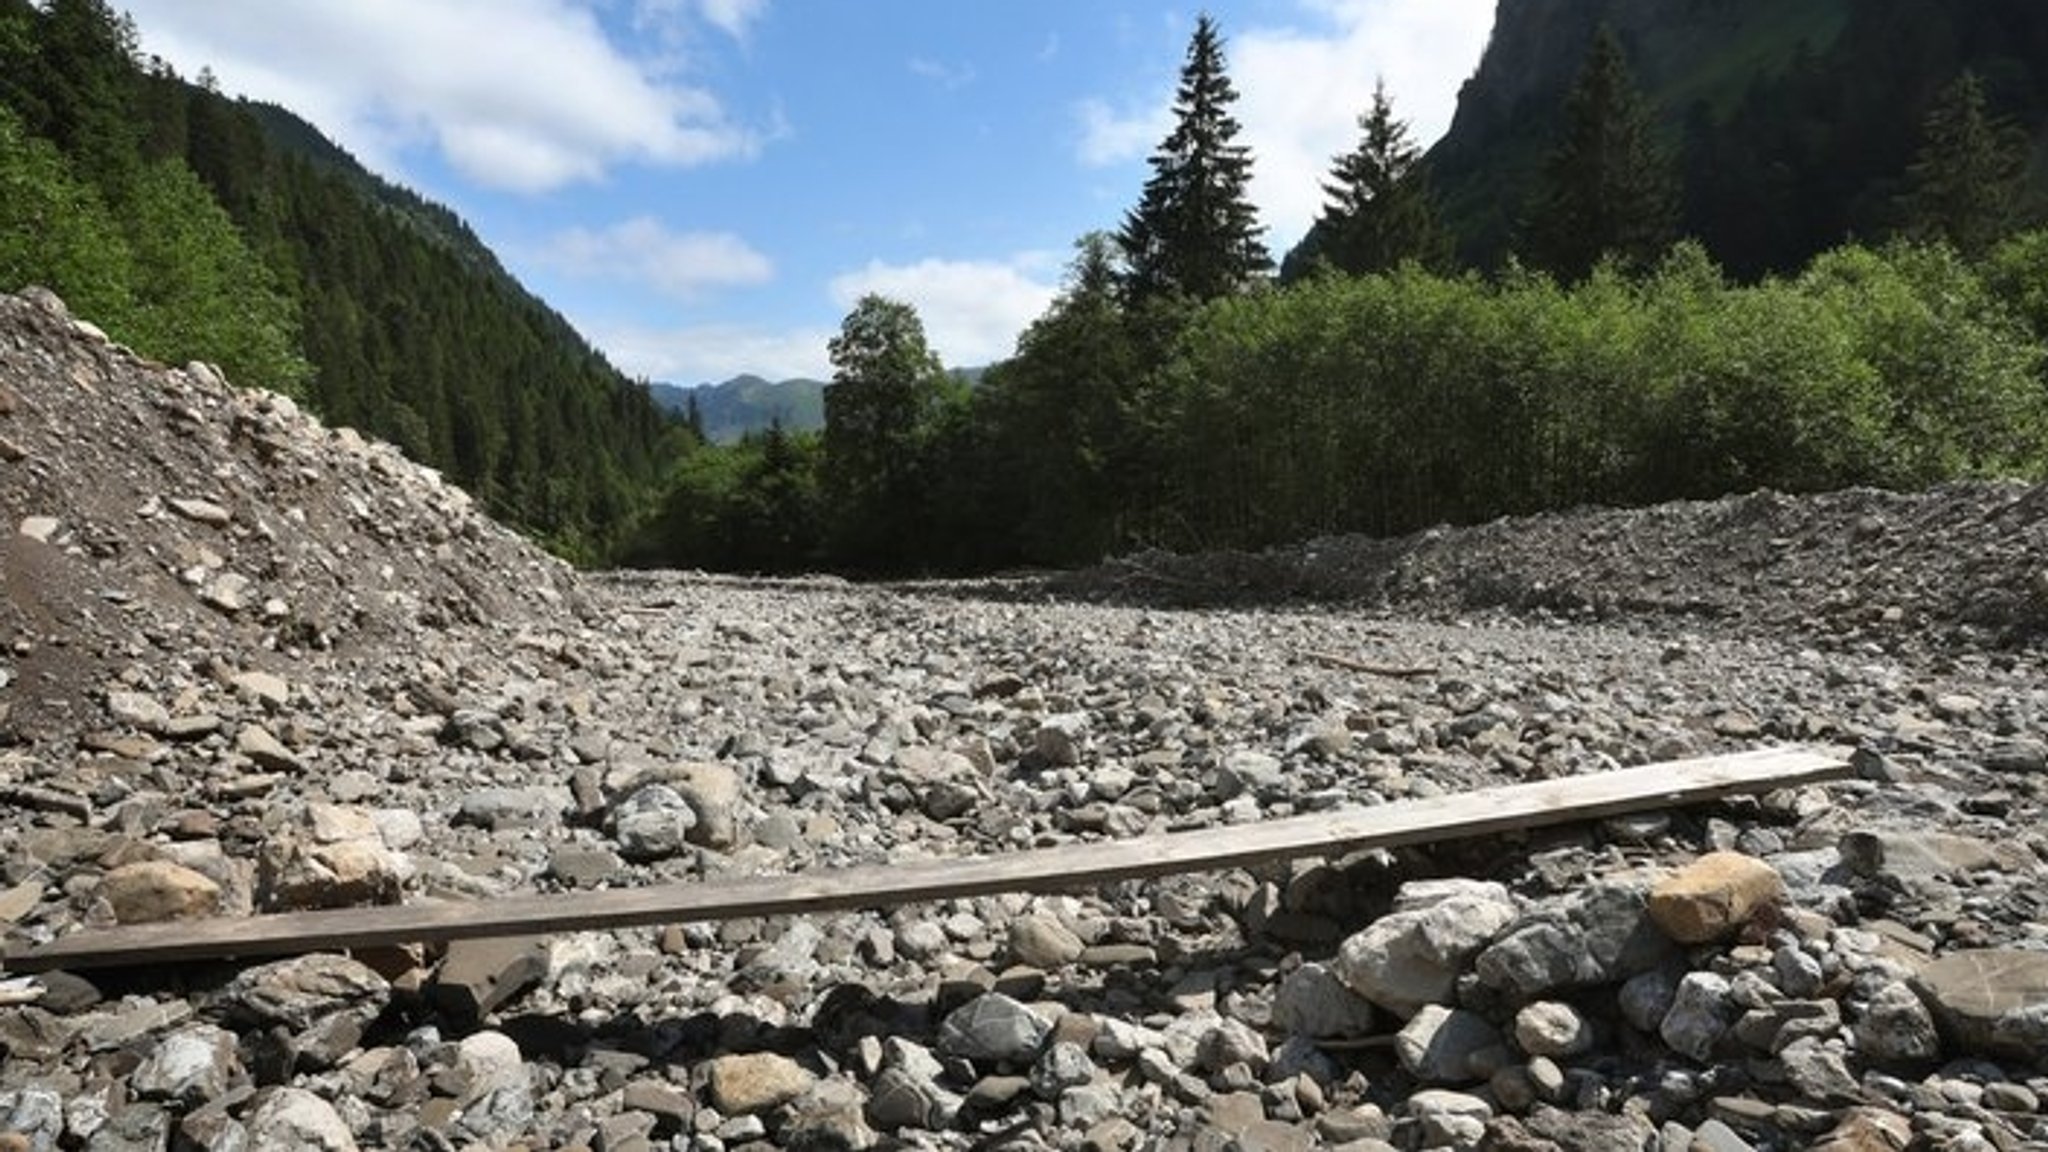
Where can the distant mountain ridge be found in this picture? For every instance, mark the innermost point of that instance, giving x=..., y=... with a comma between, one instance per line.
x=747, y=403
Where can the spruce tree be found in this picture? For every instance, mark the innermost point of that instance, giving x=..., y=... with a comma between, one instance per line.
x=1194, y=233
x=1967, y=183
x=1608, y=187
x=1380, y=209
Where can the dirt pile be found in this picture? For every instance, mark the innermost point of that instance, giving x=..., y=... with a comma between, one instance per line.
x=157, y=514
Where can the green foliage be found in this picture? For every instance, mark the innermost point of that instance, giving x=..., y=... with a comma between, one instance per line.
x=753, y=506
x=887, y=389
x=1967, y=184
x=1060, y=416
x=56, y=231
x=1380, y=209
x=1389, y=402
x=1959, y=373
x=201, y=293
x=1194, y=232
x=1607, y=188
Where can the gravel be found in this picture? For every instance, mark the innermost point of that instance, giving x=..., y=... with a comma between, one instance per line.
x=398, y=700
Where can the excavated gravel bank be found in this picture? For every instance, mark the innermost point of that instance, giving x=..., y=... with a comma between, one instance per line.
x=249, y=664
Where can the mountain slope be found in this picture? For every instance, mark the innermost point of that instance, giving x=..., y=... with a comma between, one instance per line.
x=1791, y=120
x=416, y=333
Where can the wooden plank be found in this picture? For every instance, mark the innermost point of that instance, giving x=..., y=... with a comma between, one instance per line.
x=1463, y=815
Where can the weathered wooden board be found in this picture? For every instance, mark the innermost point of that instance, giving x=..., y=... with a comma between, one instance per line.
x=1463, y=815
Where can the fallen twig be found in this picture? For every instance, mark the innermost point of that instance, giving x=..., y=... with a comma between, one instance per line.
x=1392, y=671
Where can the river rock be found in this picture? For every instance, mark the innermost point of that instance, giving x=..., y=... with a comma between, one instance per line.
x=1713, y=896
x=1992, y=1002
x=1413, y=956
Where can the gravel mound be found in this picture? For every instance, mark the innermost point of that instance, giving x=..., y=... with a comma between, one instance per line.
x=249, y=664
x=1967, y=562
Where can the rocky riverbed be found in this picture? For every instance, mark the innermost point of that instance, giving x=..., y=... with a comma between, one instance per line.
x=248, y=663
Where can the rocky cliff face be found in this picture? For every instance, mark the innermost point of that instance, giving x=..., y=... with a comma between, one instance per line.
x=250, y=664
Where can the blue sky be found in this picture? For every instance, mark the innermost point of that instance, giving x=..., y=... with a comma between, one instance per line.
x=705, y=187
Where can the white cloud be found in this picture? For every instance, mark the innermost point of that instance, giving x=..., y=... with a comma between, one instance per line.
x=1113, y=135
x=733, y=17
x=1302, y=87
x=972, y=310
x=948, y=76
x=527, y=95
x=643, y=251
x=710, y=353
x=1302, y=91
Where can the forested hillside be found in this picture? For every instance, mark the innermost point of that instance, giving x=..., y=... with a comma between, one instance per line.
x=193, y=226
x=1789, y=122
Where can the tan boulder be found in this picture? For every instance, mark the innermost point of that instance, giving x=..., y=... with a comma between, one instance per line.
x=151, y=891
x=1714, y=896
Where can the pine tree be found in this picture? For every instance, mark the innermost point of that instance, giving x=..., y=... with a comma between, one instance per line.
x=1608, y=187
x=1967, y=184
x=1194, y=233
x=1380, y=210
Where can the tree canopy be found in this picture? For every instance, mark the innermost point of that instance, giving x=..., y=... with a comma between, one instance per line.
x=1608, y=186
x=1379, y=209
x=1194, y=232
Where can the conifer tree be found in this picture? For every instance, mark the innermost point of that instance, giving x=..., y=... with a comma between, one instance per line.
x=1967, y=183
x=1194, y=233
x=1380, y=210
x=1608, y=187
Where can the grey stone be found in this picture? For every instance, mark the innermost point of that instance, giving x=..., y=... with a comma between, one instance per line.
x=1715, y=1136
x=713, y=791
x=756, y=1082
x=1438, y=1045
x=1820, y=1071
x=1312, y=1001
x=1042, y=941
x=1414, y=956
x=1061, y=1066
x=1552, y=1028
x=831, y=1115
x=476, y=976
x=1593, y=1131
x=653, y=823
x=902, y=1098
x=265, y=750
x=1990, y=1002
x=993, y=1028
x=1599, y=936
x=189, y=1067
x=1896, y=1026
x=296, y=1118
x=1700, y=1014
x=1059, y=739
x=1230, y=1042
x=1246, y=772
x=306, y=990
x=503, y=808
